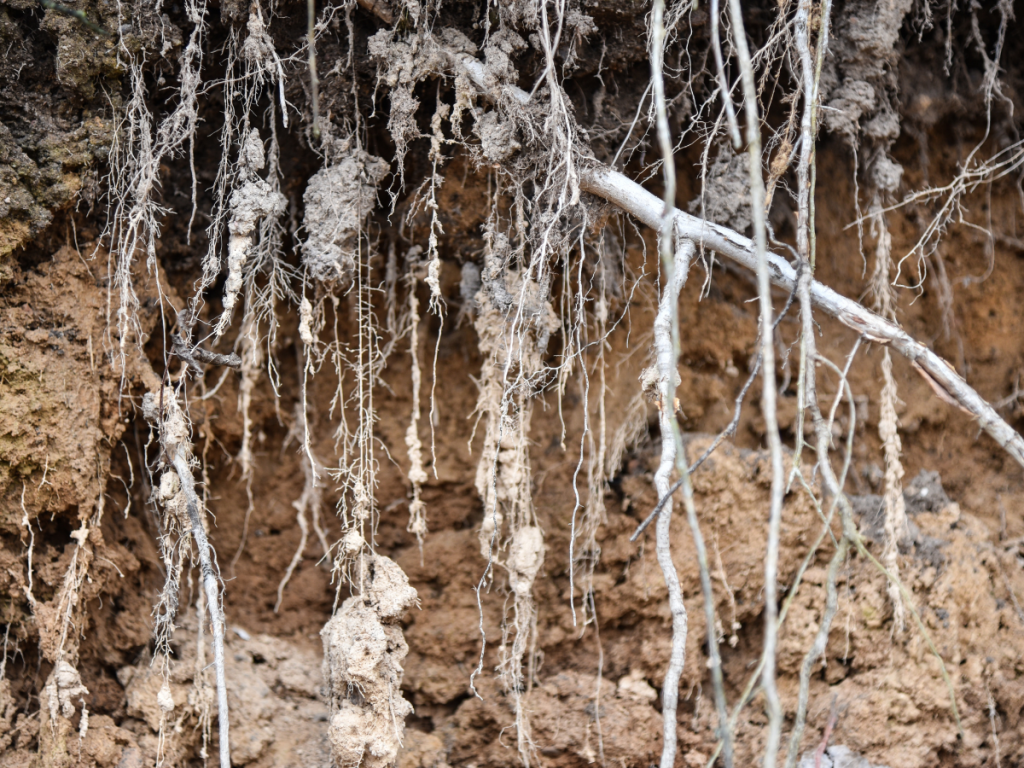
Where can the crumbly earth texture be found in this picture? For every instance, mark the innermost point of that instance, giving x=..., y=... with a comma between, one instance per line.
x=380, y=628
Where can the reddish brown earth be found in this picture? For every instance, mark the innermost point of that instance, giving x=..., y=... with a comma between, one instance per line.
x=595, y=689
x=73, y=444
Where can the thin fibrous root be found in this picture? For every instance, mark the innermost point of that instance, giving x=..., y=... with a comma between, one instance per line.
x=817, y=649
x=634, y=199
x=311, y=500
x=417, y=474
x=769, y=407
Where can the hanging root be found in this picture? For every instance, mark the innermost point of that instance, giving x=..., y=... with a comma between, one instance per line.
x=136, y=158
x=59, y=645
x=667, y=380
x=311, y=500
x=768, y=391
x=817, y=649
x=632, y=198
x=181, y=504
x=417, y=475
x=942, y=378
x=895, y=511
x=251, y=365
x=512, y=342
x=537, y=167
x=586, y=555
x=251, y=202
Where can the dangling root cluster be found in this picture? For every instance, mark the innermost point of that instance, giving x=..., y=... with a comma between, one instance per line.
x=543, y=185
x=337, y=201
x=251, y=202
x=514, y=324
x=363, y=654
x=178, y=498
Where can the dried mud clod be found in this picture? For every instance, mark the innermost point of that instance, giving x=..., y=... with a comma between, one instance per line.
x=277, y=712
x=338, y=199
x=363, y=653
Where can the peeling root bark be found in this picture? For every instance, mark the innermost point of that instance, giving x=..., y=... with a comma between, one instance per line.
x=646, y=207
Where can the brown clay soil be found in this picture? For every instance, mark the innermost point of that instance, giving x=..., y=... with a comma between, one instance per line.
x=73, y=443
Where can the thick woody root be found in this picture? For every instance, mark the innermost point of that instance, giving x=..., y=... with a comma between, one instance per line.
x=939, y=375
x=633, y=199
x=661, y=382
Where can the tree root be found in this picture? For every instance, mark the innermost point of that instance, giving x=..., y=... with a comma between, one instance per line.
x=212, y=588
x=939, y=374
x=632, y=198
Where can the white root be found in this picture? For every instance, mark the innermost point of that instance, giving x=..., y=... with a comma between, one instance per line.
x=253, y=201
x=211, y=585
x=632, y=198
x=676, y=266
x=136, y=159
x=635, y=200
x=895, y=526
x=177, y=448
x=768, y=393
x=667, y=381
x=512, y=342
x=417, y=474
x=252, y=364
x=258, y=51
x=310, y=498
x=433, y=279
x=888, y=423
x=62, y=688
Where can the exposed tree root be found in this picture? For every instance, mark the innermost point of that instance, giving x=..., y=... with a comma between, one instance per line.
x=943, y=379
x=541, y=180
x=164, y=413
